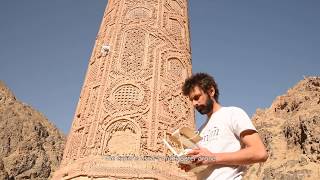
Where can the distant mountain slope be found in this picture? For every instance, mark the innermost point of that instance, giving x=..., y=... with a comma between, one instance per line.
x=30, y=146
x=291, y=130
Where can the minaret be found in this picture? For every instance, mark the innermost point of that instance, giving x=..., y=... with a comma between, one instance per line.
x=131, y=95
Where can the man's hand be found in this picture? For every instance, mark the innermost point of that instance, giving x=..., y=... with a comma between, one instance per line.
x=253, y=151
x=202, y=156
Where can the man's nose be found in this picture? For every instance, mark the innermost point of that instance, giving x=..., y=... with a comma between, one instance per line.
x=195, y=103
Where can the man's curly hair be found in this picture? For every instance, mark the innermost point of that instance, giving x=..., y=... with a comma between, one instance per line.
x=202, y=80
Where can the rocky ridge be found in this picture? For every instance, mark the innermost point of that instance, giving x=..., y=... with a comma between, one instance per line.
x=31, y=146
x=290, y=129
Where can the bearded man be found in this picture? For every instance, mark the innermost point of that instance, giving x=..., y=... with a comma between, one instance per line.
x=230, y=140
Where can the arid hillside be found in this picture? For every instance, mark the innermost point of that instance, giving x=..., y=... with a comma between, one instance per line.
x=290, y=129
x=30, y=146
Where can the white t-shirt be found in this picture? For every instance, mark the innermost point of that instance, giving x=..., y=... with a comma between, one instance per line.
x=222, y=134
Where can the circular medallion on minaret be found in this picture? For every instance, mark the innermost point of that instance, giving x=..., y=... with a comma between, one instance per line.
x=128, y=94
x=127, y=97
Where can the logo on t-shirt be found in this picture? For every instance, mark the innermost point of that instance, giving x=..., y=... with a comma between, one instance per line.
x=211, y=135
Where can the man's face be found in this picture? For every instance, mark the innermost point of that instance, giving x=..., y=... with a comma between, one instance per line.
x=201, y=100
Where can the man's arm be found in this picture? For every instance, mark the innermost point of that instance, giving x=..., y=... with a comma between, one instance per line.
x=254, y=151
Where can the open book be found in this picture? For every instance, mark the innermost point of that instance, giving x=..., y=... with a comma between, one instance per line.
x=180, y=142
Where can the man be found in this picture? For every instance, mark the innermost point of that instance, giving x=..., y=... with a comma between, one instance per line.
x=229, y=138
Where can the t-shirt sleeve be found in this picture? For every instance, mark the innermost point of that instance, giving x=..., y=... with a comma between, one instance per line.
x=241, y=121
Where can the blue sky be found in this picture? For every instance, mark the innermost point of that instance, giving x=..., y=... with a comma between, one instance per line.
x=256, y=50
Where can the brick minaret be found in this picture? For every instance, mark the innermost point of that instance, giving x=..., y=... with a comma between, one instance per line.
x=131, y=94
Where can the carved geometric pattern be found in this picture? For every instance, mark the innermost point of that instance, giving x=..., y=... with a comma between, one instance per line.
x=175, y=67
x=98, y=143
x=92, y=131
x=175, y=6
x=84, y=108
x=126, y=97
x=139, y=14
x=83, y=146
x=175, y=23
x=133, y=52
x=127, y=94
x=174, y=105
x=144, y=64
x=93, y=101
x=176, y=29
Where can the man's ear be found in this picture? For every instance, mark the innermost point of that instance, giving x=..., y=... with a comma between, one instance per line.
x=212, y=91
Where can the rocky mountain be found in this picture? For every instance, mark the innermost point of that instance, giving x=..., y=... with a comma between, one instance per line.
x=30, y=146
x=290, y=129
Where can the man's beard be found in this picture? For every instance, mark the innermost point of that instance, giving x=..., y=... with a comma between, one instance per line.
x=205, y=109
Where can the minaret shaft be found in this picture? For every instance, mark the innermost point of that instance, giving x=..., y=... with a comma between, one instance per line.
x=131, y=95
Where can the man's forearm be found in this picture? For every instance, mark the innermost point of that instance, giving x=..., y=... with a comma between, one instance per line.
x=241, y=157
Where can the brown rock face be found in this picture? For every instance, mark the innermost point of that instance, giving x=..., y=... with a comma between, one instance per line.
x=31, y=147
x=290, y=129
